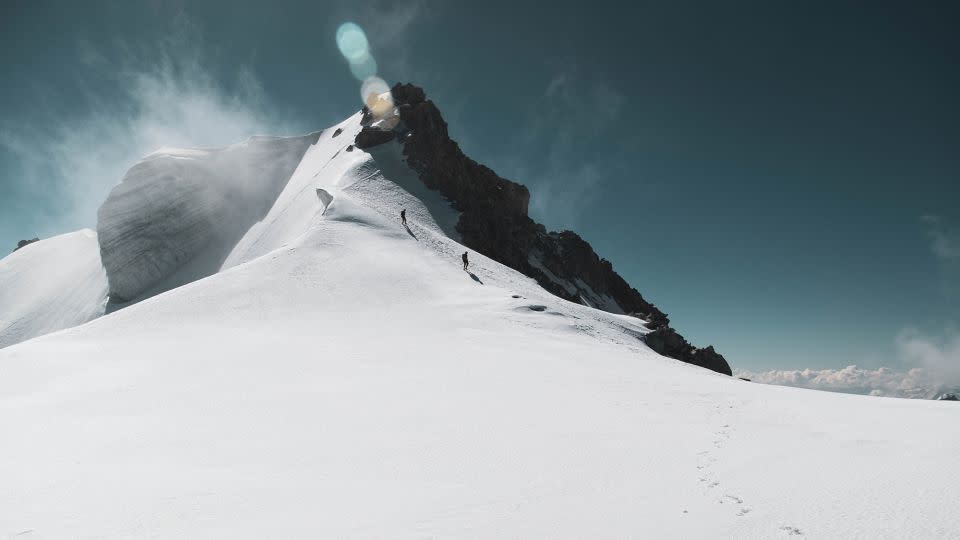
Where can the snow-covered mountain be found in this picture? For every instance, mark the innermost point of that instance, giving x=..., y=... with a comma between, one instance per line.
x=50, y=285
x=291, y=361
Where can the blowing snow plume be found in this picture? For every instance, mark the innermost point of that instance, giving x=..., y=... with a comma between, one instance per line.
x=167, y=95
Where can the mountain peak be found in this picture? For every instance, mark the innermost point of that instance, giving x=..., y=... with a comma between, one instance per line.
x=495, y=222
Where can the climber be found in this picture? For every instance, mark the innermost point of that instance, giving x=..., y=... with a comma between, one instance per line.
x=403, y=217
x=465, y=261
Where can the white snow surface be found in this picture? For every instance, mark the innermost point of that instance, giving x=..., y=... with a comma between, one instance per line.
x=343, y=377
x=50, y=285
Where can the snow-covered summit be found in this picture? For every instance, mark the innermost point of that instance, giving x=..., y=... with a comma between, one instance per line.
x=332, y=373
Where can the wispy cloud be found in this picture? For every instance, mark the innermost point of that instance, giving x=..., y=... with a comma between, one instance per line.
x=930, y=366
x=944, y=240
x=389, y=22
x=574, y=107
x=161, y=96
x=937, y=356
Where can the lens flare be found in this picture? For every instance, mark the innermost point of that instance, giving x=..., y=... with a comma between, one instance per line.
x=373, y=87
x=374, y=91
x=352, y=42
x=376, y=96
x=364, y=69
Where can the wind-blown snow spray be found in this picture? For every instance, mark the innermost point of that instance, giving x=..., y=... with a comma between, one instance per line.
x=374, y=91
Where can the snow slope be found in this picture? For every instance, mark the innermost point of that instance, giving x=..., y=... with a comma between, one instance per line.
x=50, y=285
x=173, y=219
x=343, y=377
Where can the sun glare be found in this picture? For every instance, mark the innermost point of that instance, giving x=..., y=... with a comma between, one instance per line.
x=374, y=91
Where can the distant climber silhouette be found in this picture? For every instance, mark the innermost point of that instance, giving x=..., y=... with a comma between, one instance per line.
x=403, y=216
x=465, y=261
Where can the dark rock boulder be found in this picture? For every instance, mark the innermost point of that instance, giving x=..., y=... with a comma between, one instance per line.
x=22, y=243
x=337, y=132
x=371, y=136
x=494, y=221
x=948, y=397
x=668, y=342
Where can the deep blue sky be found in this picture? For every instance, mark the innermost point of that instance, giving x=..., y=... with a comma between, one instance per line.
x=782, y=178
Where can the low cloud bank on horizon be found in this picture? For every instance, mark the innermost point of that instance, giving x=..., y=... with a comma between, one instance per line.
x=934, y=369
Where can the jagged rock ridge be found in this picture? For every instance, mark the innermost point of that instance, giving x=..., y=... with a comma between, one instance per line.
x=494, y=221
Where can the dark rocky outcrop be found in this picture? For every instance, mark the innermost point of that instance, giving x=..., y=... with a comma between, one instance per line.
x=22, y=243
x=570, y=258
x=668, y=342
x=371, y=136
x=494, y=221
x=948, y=397
x=366, y=116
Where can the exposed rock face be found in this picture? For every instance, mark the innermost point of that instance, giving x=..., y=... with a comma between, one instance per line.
x=571, y=258
x=494, y=221
x=948, y=397
x=371, y=136
x=22, y=243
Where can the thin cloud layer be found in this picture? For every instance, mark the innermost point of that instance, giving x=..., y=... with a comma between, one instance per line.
x=851, y=380
x=939, y=358
x=944, y=240
x=164, y=96
x=564, y=183
x=932, y=368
